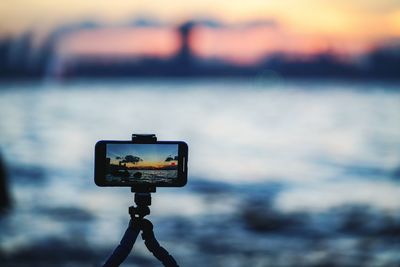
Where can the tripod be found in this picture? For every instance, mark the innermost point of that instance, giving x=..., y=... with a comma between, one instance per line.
x=137, y=224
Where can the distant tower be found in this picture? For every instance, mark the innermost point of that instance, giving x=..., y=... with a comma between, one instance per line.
x=185, y=56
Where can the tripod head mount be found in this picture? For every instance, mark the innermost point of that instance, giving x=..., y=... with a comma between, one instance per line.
x=143, y=201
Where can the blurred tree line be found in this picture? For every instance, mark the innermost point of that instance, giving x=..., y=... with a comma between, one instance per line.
x=20, y=59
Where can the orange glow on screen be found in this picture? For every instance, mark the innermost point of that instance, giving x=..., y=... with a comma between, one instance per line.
x=154, y=42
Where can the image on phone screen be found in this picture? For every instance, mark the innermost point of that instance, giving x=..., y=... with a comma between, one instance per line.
x=141, y=163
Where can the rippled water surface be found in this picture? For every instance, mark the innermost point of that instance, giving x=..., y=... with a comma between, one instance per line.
x=265, y=160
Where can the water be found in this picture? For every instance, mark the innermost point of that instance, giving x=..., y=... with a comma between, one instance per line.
x=146, y=176
x=306, y=155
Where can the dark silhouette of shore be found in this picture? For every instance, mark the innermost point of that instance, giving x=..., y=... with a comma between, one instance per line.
x=20, y=60
x=5, y=199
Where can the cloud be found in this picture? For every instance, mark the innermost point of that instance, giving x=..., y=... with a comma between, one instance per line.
x=216, y=24
x=272, y=23
x=145, y=22
x=131, y=159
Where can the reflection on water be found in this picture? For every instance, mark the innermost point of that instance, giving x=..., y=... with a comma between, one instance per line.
x=295, y=174
x=145, y=176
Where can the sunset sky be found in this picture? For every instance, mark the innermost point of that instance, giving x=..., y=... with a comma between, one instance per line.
x=296, y=26
x=151, y=155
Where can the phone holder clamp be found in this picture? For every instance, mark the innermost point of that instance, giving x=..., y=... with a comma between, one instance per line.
x=144, y=138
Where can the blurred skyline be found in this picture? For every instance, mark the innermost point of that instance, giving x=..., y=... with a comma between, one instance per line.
x=344, y=39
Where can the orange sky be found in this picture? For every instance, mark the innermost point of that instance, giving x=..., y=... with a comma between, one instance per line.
x=240, y=45
x=249, y=45
x=160, y=42
x=304, y=26
x=366, y=18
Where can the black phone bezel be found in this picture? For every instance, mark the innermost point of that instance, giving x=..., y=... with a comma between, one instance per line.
x=100, y=158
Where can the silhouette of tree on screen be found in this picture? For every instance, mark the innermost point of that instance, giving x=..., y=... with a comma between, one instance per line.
x=171, y=158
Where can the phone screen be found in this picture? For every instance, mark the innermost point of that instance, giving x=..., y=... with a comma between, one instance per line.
x=145, y=163
x=122, y=163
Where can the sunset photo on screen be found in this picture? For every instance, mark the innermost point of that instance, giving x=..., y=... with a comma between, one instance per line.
x=142, y=163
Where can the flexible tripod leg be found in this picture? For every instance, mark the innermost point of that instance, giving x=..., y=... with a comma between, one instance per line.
x=122, y=251
x=154, y=247
x=137, y=224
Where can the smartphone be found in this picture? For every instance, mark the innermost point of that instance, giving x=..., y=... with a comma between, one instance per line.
x=127, y=163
